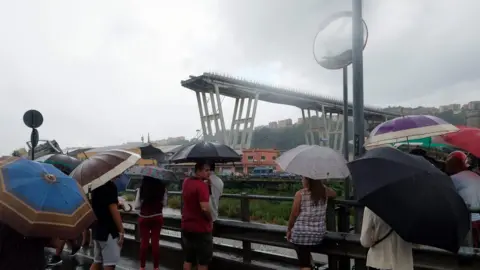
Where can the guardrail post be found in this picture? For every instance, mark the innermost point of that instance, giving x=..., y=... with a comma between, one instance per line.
x=332, y=227
x=137, y=232
x=343, y=226
x=245, y=216
x=469, y=240
x=359, y=263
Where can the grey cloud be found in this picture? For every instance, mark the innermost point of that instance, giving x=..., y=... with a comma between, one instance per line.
x=107, y=72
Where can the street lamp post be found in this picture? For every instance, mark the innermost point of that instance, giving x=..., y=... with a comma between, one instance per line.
x=352, y=54
x=357, y=68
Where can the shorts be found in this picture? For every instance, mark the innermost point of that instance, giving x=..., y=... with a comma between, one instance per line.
x=197, y=247
x=304, y=254
x=107, y=252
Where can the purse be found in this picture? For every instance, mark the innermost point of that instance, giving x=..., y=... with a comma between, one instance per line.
x=383, y=238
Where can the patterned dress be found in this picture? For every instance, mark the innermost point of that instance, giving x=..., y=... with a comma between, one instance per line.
x=309, y=228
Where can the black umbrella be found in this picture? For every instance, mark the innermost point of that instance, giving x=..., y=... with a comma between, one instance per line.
x=206, y=151
x=64, y=163
x=415, y=198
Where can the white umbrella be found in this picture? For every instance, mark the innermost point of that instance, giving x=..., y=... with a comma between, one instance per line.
x=315, y=162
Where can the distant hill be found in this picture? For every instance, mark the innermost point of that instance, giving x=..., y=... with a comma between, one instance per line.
x=290, y=137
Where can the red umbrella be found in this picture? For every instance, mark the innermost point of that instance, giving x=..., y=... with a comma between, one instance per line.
x=467, y=138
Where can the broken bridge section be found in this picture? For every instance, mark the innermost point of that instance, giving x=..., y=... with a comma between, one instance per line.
x=323, y=116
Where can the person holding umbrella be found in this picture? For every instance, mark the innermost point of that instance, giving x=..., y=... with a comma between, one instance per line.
x=306, y=225
x=26, y=189
x=95, y=175
x=150, y=200
x=197, y=239
x=407, y=200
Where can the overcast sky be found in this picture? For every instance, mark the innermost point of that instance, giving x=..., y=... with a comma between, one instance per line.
x=106, y=72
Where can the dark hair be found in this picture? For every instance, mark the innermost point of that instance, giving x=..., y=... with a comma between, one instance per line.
x=317, y=191
x=454, y=165
x=199, y=166
x=151, y=190
x=212, y=166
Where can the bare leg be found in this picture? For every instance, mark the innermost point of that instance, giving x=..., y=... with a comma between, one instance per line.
x=59, y=247
x=187, y=266
x=96, y=266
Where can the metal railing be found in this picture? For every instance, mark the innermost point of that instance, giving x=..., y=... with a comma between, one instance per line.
x=340, y=245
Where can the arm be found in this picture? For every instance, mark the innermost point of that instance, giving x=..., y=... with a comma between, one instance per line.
x=330, y=192
x=116, y=218
x=204, y=200
x=295, y=210
x=366, y=236
x=112, y=201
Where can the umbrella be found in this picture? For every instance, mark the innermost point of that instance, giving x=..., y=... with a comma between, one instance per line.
x=103, y=167
x=315, y=162
x=38, y=200
x=430, y=142
x=64, y=163
x=408, y=128
x=466, y=138
x=121, y=182
x=152, y=171
x=415, y=198
x=206, y=151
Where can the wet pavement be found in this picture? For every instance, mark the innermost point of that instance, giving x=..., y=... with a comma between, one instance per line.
x=83, y=259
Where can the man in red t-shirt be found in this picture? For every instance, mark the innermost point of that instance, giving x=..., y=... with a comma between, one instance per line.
x=197, y=237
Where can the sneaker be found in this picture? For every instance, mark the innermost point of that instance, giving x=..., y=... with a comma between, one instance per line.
x=55, y=260
x=74, y=251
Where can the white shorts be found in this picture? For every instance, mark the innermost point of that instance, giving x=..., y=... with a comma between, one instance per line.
x=107, y=252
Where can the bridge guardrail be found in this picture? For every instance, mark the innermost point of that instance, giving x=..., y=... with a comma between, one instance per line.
x=339, y=245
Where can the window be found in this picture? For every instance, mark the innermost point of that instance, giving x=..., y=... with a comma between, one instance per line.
x=274, y=157
x=262, y=158
x=250, y=158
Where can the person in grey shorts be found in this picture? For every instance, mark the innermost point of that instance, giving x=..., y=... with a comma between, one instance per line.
x=108, y=230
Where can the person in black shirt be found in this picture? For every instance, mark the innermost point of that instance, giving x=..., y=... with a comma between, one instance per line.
x=108, y=230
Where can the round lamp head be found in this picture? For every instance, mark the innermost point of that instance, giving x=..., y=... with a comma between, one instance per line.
x=332, y=47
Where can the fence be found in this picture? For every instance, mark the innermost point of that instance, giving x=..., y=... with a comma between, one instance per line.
x=340, y=245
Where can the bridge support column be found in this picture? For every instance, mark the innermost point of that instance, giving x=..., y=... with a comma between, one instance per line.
x=323, y=129
x=241, y=131
x=210, y=109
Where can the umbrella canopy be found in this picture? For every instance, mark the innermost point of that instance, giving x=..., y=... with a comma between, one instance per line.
x=121, y=182
x=64, y=163
x=38, y=200
x=415, y=198
x=424, y=142
x=152, y=171
x=314, y=162
x=409, y=127
x=206, y=151
x=466, y=138
x=103, y=167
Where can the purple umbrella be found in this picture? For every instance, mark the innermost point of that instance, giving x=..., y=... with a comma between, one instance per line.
x=409, y=127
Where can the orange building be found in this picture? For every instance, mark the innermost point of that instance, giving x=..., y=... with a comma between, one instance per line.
x=252, y=158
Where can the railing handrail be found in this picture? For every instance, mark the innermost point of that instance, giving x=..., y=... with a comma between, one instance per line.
x=344, y=202
x=335, y=243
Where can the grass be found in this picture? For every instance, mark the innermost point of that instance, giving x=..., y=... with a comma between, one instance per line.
x=273, y=212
